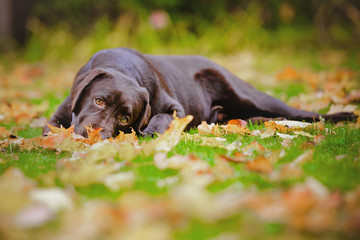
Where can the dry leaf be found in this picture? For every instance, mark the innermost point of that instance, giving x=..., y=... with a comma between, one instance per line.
x=238, y=157
x=303, y=158
x=117, y=181
x=53, y=198
x=34, y=216
x=170, y=138
x=14, y=188
x=222, y=169
x=288, y=73
x=4, y=133
x=341, y=108
x=238, y=122
x=123, y=137
x=260, y=164
x=254, y=147
x=206, y=129
x=236, y=129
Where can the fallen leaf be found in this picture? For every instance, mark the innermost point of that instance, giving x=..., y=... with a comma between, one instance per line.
x=319, y=138
x=222, y=169
x=170, y=138
x=94, y=135
x=236, y=129
x=260, y=164
x=238, y=122
x=307, y=144
x=4, y=133
x=53, y=198
x=269, y=132
x=34, y=216
x=169, y=181
x=238, y=157
x=123, y=137
x=341, y=108
x=15, y=188
x=287, y=172
x=275, y=126
x=254, y=147
x=117, y=181
x=302, y=133
x=285, y=136
x=288, y=73
x=206, y=129
x=303, y=158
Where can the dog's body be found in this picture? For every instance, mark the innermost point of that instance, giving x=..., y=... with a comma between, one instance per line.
x=120, y=89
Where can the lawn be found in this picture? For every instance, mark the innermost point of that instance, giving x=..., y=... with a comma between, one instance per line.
x=259, y=181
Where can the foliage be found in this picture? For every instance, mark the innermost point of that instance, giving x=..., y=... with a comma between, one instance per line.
x=64, y=30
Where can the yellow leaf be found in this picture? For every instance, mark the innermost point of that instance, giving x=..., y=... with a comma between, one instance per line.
x=170, y=138
x=236, y=129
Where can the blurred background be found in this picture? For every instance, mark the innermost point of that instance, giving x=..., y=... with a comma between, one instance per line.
x=53, y=30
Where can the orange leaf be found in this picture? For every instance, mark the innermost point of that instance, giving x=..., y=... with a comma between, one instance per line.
x=238, y=157
x=123, y=137
x=238, y=122
x=275, y=126
x=254, y=146
x=288, y=73
x=61, y=130
x=260, y=164
x=232, y=128
x=4, y=133
x=93, y=135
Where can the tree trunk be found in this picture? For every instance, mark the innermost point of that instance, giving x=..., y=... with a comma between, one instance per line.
x=13, y=16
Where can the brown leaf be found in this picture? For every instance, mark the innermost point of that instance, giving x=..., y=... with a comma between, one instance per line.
x=260, y=164
x=222, y=169
x=319, y=138
x=275, y=126
x=125, y=137
x=254, y=147
x=238, y=122
x=341, y=108
x=4, y=133
x=94, y=135
x=206, y=129
x=238, y=157
x=170, y=138
x=236, y=129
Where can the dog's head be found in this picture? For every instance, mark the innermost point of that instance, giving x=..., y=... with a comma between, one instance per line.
x=107, y=99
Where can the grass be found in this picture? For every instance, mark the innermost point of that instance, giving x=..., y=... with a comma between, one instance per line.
x=335, y=162
x=336, y=174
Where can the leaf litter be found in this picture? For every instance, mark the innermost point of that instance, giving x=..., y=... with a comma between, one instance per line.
x=29, y=206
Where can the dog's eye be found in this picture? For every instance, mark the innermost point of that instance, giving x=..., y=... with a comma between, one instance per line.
x=124, y=120
x=99, y=101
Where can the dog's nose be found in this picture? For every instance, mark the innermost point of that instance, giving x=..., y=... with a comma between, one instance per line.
x=105, y=134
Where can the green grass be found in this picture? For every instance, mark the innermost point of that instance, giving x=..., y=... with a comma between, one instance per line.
x=335, y=163
x=337, y=174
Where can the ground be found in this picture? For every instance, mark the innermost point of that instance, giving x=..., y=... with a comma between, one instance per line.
x=267, y=181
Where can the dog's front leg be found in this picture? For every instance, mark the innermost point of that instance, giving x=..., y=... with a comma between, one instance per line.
x=62, y=116
x=160, y=122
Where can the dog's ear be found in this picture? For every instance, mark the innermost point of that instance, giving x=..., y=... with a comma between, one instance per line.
x=82, y=81
x=144, y=117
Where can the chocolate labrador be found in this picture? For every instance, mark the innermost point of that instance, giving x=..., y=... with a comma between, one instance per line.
x=119, y=89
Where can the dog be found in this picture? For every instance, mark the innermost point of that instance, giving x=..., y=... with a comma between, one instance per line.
x=121, y=89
